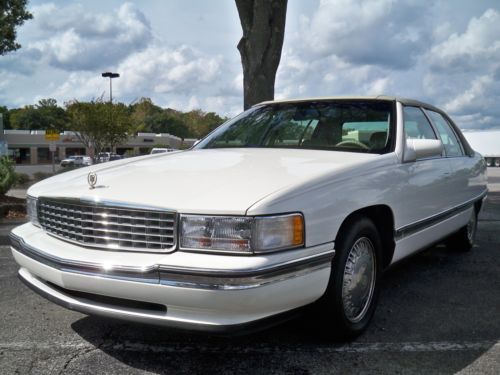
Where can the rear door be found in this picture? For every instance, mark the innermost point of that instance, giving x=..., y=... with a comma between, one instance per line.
x=461, y=164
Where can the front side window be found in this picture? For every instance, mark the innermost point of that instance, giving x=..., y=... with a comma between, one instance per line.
x=342, y=125
x=416, y=124
x=450, y=141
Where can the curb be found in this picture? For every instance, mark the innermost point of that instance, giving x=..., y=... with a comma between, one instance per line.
x=7, y=223
x=5, y=227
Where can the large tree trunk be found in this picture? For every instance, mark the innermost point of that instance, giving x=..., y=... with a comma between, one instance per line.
x=263, y=24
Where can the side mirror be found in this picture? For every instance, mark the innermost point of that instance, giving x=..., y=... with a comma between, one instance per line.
x=421, y=149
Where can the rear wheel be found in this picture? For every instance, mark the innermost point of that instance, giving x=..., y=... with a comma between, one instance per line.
x=351, y=297
x=464, y=239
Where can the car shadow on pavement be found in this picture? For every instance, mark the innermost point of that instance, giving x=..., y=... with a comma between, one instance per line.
x=433, y=301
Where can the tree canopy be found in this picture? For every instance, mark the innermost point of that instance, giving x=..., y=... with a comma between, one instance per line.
x=44, y=115
x=117, y=121
x=13, y=13
x=98, y=124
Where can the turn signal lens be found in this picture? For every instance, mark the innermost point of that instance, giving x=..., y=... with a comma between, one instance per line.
x=278, y=232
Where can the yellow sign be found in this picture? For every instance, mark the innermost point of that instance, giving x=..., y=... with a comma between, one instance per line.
x=51, y=135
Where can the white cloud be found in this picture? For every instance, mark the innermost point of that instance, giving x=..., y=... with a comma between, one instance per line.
x=177, y=77
x=475, y=49
x=389, y=33
x=477, y=107
x=165, y=70
x=464, y=72
x=79, y=40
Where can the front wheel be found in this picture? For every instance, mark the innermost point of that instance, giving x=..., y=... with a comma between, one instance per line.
x=351, y=297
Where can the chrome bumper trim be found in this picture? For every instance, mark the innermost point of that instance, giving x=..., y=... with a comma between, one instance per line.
x=198, y=278
x=130, y=273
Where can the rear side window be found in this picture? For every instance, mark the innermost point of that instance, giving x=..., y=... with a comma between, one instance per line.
x=452, y=145
x=416, y=124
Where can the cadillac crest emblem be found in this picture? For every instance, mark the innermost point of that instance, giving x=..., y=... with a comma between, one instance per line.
x=92, y=179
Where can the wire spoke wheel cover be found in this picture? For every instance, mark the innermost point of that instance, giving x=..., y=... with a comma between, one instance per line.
x=358, y=283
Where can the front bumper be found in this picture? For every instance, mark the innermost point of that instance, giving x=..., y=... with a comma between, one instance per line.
x=168, y=293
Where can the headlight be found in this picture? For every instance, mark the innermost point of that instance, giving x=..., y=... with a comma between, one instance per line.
x=31, y=210
x=239, y=234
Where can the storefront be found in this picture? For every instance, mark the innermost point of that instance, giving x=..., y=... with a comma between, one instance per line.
x=31, y=147
x=20, y=155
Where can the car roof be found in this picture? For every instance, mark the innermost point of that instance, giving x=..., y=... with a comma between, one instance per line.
x=405, y=101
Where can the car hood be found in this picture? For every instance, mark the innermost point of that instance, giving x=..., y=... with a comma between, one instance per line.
x=217, y=181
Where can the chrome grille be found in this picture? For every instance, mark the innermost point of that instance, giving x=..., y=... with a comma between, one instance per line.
x=109, y=227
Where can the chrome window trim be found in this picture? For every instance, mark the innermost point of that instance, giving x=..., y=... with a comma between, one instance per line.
x=460, y=145
x=186, y=277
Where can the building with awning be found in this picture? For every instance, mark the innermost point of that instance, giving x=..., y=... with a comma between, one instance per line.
x=32, y=147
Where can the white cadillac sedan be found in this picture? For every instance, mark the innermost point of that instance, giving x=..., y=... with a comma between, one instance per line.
x=290, y=203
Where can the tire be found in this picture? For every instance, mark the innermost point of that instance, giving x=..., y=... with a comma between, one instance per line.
x=464, y=239
x=348, y=306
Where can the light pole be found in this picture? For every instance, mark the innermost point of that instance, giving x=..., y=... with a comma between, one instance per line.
x=111, y=76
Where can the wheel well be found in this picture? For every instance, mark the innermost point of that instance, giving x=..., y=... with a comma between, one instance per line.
x=383, y=218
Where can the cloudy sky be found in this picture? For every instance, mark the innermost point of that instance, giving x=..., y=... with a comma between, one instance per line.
x=182, y=53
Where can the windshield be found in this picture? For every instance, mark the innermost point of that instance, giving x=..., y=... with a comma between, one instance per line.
x=342, y=125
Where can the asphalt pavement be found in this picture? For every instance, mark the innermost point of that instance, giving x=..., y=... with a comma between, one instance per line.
x=438, y=314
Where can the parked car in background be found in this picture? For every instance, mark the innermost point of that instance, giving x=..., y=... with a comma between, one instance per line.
x=159, y=150
x=290, y=203
x=76, y=161
x=114, y=157
x=104, y=157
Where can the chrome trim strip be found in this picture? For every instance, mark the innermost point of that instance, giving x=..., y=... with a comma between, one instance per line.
x=244, y=279
x=128, y=273
x=199, y=278
x=400, y=139
x=107, y=203
x=420, y=225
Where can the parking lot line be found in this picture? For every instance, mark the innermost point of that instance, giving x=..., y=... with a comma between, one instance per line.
x=129, y=346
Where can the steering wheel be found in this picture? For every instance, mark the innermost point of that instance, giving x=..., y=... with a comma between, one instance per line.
x=352, y=143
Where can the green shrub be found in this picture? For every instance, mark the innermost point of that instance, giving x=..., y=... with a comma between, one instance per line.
x=7, y=174
x=39, y=176
x=22, y=179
